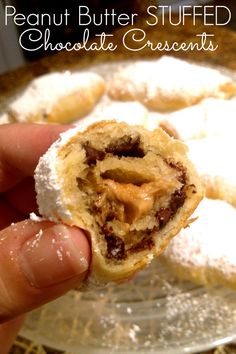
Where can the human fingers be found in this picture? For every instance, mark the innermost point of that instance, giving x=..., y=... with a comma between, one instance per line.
x=21, y=145
x=8, y=332
x=22, y=197
x=8, y=214
x=39, y=262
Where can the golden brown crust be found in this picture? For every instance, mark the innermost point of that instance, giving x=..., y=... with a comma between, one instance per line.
x=101, y=135
x=204, y=252
x=147, y=82
x=57, y=98
x=71, y=107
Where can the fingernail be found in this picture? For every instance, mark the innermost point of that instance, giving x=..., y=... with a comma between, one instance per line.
x=54, y=255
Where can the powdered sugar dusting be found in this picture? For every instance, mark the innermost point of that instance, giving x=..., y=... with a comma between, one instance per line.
x=198, y=81
x=212, y=157
x=206, y=119
x=209, y=242
x=133, y=113
x=43, y=92
x=152, y=313
x=36, y=218
x=50, y=199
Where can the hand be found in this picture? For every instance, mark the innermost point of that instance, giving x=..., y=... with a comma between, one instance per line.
x=39, y=261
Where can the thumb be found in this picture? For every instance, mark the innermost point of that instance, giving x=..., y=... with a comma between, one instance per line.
x=39, y=261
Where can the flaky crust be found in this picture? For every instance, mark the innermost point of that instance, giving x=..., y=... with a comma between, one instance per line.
x=58, y=200
x=148, y=83
x=204, y=252
x=57, y=98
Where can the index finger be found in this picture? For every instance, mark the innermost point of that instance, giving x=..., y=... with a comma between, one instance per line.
x=21, y=145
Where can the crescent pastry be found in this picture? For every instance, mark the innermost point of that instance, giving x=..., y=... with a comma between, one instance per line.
x=205, y=251
x=210, y=118
x=168, y=84
x=57, y=97
x=131, y=189
x=213, y=159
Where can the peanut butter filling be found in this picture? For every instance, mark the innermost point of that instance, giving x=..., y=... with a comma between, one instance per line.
x=131, y=204
x=137, y=200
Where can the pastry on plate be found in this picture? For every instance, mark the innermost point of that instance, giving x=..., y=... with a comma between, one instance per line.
x=210, y=118
x=213, y=159
x=204, y=252
x=58, y=97
x=169, y=84
x=133, y=113
x=130, y=189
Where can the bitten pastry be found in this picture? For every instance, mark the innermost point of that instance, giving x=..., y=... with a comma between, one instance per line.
x=57, y=98
x=205, y=251
x=131, y=189
x=168, y=84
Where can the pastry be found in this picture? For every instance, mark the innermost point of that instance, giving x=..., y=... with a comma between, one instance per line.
x=210, y=118
x=213, y=159
x=133, y=113
x=169, y=84
x=57, y=98
x=131, y=189
x=204, y=252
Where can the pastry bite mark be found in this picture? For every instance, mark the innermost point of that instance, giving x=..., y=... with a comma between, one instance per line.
x=119, y=198
x=131, y=189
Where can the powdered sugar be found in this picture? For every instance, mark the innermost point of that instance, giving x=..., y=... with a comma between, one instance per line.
x=43, y=92
x=132, y=113
x=209, y=242
x=147, y=80
x=36, y=218
x=213, y=157
x=206, y=119
x=48, y=184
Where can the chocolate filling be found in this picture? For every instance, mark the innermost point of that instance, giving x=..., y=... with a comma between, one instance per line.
x=115, y=248
x=146, y=243
x=177, y=166
x=92, y=154
x=177, y=200
x=126, y=146
x=163, y=215
x=108, y=210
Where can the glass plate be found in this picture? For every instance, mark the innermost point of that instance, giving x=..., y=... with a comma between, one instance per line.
x=153, y=313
